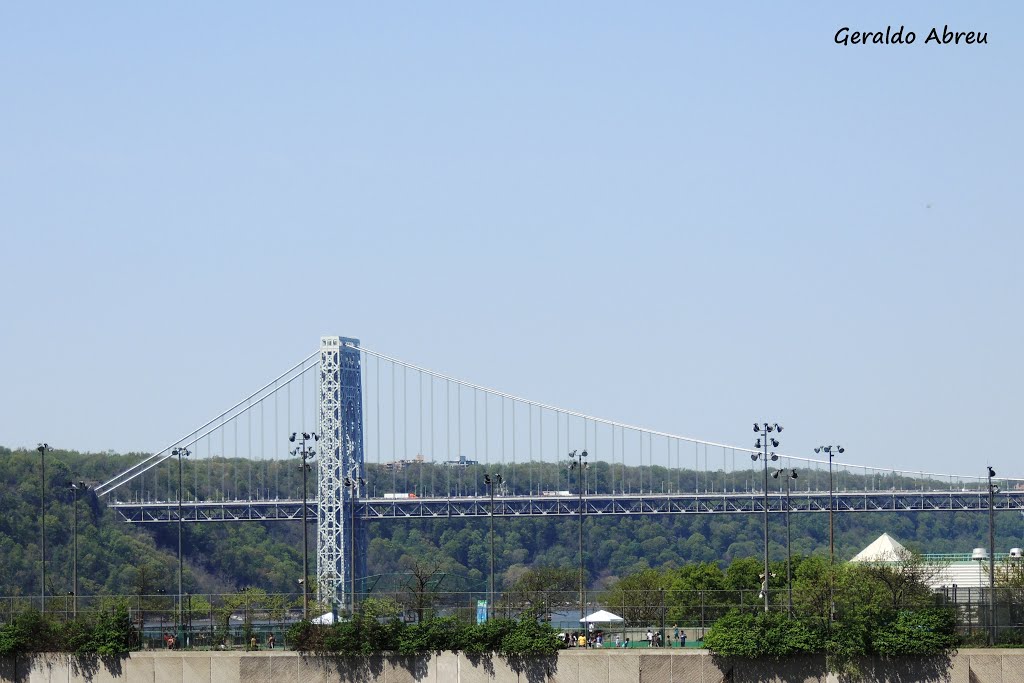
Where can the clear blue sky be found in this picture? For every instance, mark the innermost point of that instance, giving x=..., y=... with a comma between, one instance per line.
x=682, y=215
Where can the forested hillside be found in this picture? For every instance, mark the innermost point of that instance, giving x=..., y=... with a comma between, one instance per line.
x=115, y=557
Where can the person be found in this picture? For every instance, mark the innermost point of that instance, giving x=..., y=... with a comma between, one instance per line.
x=270, y=641
x=252, y=644
x=627, y=642
x=682, y=639
x=582, y=640
x=590, y=627
x=618, y=640
x=675, y=631
x=650, y=638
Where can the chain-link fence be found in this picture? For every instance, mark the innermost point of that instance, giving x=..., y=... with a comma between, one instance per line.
x=667, y=618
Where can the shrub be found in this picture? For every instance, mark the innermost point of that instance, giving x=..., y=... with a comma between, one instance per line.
x=760, y=634
x=921, y=632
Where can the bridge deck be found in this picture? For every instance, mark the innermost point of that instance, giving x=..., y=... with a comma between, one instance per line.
x=593, y=504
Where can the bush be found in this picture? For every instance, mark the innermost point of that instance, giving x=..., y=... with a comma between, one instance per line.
x=366, y=635
x=106, y=634
x=28, y=632
x=488, y=636
x=434, y=635
x=528, y=637
x=760, y=634
x=921, y=632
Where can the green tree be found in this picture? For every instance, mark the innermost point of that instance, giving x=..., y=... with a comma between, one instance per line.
x=693, y=589
x=537, y=590
x=640, y=597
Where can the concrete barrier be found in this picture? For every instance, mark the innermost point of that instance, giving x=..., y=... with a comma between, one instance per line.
x=570, y=666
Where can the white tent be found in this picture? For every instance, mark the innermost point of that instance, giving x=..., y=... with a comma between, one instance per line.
x=327, y=618
x=885, y=548
x=601, y=617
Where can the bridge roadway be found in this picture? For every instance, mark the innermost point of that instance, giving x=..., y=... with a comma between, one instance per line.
x=594, y=504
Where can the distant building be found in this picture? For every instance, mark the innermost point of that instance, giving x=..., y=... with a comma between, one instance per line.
x=399, y=465
x=948, y=570
x=463, y=461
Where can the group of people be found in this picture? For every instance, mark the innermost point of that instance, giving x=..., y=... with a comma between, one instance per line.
x=594, y=637
x=677, y=639
x=254, y=643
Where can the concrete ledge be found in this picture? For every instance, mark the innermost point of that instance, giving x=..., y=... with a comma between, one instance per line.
x=570, y=666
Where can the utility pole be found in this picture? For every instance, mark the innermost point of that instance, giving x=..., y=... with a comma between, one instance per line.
x=306, y=454
x=491, y=482
x=993, y=489
x=579, y=463
x=42, y=448
x=763, y=443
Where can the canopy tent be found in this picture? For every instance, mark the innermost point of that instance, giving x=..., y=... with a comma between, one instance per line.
x=885, y=548
x=601, y=617
x=327, y=618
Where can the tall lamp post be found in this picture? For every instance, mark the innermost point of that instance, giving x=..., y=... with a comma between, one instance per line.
x=353, y=483
x=832, y=452
x=789, y=537
x=180, y=453
x=492, y=481
x=993, y=489
x=306, y=454
x=75, y=488
x=763, y=443
x=579, y=462
x=42, y=448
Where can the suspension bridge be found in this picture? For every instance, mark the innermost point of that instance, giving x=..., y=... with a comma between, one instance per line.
x=394, y=440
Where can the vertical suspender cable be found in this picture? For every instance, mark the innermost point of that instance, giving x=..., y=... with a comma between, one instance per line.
x=458, y=428
x=448, y=431
x=420, y=386
x=433, y=482
x=476, y=442
x=395, y=460
x=288, y=427
x=513, y=447
x=376, y=393
x=405, y=421
x=277, y=444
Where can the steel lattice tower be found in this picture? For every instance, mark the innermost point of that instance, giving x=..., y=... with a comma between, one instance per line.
x=340, y=455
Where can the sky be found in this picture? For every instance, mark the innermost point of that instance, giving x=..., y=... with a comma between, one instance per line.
x=686, y=216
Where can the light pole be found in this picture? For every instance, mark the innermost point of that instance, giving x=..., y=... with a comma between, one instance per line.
x=993, y=489
x=763, y=443
x=578, y=462
x=42, y=448
x=491, y=482
x=75, y=488
x=353, y=483
x=306, y=454
x=789, y=536
x=180, y=453
x=832, y=452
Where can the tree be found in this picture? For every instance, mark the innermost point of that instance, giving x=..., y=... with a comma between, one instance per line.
x=538, y=590
x=640, y=597
x=693, y=589
x=425, y=576
x=902, y=582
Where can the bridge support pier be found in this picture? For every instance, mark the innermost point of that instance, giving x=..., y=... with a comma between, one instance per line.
x=341, y=456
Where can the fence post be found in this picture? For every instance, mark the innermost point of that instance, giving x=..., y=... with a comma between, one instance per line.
x=663, y=637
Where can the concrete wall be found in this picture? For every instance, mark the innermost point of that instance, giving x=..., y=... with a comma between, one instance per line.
x=571, y=666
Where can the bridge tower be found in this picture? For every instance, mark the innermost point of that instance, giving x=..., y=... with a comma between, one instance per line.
x=340, y=456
